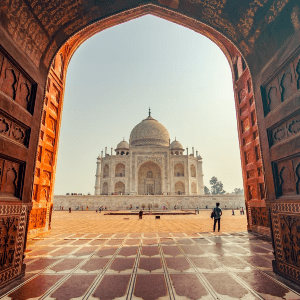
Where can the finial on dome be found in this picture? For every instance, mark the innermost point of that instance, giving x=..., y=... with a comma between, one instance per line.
x=149, y=112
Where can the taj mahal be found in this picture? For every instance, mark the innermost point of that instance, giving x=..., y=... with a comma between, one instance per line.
x=148, y=172
x=149, y=165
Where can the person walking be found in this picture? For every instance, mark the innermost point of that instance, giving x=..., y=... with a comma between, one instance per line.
x=70, y=210
x=217, y=213
x=140, y=214
x=232, y=212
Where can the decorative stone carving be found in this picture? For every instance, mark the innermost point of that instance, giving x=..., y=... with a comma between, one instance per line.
x=11, y=175
x=37, y=218
x=286, y=174
x=142, y=159
x=12, y=239
x=15, y=83
x=285, y=130
x=260, y=216
x=13, y=130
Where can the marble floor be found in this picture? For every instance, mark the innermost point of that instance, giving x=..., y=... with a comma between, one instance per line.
x=91, y=256
x=150, y=266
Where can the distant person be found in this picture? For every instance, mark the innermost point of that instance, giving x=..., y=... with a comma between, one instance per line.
x=62, y=208
x=140, y=214
x=198, y=210
x=233, y=212
x=217, y=213
x=243, y=212
x=70, y=210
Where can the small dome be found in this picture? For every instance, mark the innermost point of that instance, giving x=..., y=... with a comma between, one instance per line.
x=149, y=133
x=175, y=145
x=123, y=145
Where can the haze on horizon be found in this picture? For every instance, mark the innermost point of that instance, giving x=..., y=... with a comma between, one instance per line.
x=116, y=75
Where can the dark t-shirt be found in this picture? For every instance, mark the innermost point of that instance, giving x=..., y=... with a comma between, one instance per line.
x=217, y=211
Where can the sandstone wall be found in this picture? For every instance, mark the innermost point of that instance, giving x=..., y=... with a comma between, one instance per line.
x=156, y=202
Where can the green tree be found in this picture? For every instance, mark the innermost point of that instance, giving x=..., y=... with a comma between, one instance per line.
x=238, y=191
x=206, y=190
x=216, y=186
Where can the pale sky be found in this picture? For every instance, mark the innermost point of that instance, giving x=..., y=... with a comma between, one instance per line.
x=116, y=75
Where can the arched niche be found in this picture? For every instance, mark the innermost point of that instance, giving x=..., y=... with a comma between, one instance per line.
x=179, y=170
x=179, y=188
x=120, y=170
x=120, y=188
x=105, y=171
x=149, y=185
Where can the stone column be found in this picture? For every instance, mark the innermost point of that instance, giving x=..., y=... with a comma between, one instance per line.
x=200, y=176
x=187, y=175
x=98, y=177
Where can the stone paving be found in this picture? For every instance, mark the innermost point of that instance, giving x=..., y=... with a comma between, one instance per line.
x=90, y=221
x=81, y=263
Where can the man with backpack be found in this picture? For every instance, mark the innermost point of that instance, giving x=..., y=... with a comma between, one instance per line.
x=216, y=215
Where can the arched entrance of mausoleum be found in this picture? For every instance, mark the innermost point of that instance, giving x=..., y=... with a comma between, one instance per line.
x=149, y=179
x=33, y=69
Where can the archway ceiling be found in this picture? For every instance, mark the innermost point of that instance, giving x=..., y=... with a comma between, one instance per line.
x=40, y=27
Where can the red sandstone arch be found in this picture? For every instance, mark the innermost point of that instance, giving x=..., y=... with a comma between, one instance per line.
x=244, y=98
x=272, y=55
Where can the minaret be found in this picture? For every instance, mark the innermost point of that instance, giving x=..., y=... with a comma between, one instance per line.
x=98, y=176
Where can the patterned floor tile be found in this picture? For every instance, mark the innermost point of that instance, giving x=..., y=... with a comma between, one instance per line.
x=227, y=286
x=205, y=263
x=150, y=287
x=40, y=264
x=149, y=250
x=35, y=288
x=150, y=264
x=171, y=250
x=128, y=251
x=122, y=264
x=66, y=264
x=84, y=251
x=74, y=287
x=178, y=263
x=111, y=287
x=188, y=285
x=95, y=264
x=107, y=251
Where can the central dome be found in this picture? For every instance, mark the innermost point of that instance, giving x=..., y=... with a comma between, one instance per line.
x=149, y=133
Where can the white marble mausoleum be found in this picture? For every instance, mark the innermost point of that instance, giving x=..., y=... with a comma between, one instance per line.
x=149, y=165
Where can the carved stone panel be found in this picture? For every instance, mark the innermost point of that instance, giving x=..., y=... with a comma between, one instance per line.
x=37, y=218
x=16, y=83
x=13, y=129
x=286, y=232
x=283, y=85
x=260, y=216
x=12, y=238
x=284, y=130
x=287, y=176
x=11, y=176
x=290, y=233
x=142, y=159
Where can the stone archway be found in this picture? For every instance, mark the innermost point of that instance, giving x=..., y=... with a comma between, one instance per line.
x=120, y=188
x=179, y=188
x=149, y=179
x=32, y=87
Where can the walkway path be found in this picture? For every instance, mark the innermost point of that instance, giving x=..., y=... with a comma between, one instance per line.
x=80, y=263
